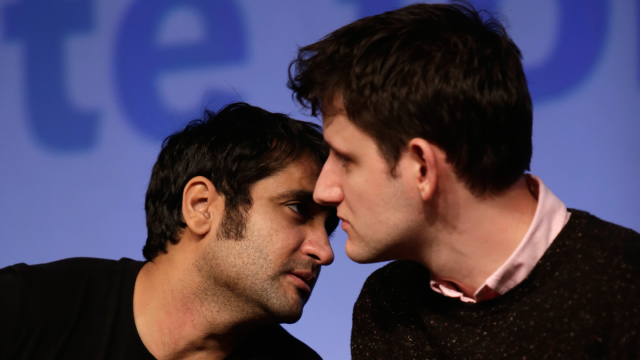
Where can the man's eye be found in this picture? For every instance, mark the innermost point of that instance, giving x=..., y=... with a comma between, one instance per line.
x=301, y=208
x=295, y=207
x=342, y=159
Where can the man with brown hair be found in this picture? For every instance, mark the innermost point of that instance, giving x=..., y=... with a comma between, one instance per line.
x=428, y=117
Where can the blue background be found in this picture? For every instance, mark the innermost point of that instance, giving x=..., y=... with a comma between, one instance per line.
x=89, y=88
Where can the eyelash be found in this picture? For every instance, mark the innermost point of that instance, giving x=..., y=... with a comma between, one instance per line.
x=300, y=212
x=304, y=210
x=343, y=159
x=301, y=209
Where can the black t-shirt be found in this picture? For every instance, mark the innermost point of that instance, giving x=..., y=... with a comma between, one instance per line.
x=82, y=308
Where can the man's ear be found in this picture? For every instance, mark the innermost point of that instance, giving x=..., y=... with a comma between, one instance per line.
x=423, y=166
x=201, y=204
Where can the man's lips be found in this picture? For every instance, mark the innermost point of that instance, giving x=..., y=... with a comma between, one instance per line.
x=345, y=224
x=303, y=279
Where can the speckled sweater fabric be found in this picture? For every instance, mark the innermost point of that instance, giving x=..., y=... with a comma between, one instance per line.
x=581, y=301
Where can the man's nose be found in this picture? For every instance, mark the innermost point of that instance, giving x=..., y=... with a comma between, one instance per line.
x=328, y=190
x=317, y=246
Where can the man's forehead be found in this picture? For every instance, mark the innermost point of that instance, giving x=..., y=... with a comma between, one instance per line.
x=296, y=178
x=335, y=125
x=335, y=120
x=341, y=134
x=331, y=107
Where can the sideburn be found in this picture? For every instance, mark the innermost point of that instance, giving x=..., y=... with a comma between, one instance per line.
x=234, y=222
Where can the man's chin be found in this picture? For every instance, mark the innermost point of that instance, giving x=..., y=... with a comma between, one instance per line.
x=360, y=253
x=290, y=320
x=289, y=317
x=290, y=312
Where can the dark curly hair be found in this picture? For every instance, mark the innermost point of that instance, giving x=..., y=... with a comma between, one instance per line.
x=234, y=148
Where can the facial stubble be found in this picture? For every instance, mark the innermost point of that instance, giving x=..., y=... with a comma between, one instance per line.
x=237, y=271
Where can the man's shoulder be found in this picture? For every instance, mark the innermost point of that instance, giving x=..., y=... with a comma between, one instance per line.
x=590, y=257
x=398, y=273
x=60, y=303
x=273, y=342
x=602, y=239
x=71, y=265
x=61, y=286
x=593, y=226
x=64, y=272
x=401, y=283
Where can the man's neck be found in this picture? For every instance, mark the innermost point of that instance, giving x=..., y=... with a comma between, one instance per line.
x=174, y=322
x=474, y=236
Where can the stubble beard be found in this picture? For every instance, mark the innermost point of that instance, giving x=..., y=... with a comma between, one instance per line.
x=235, y=280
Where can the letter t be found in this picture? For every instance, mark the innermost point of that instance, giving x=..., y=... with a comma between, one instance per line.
x=43, y=25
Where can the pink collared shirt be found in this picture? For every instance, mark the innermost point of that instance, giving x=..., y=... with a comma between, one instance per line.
x=550, y=217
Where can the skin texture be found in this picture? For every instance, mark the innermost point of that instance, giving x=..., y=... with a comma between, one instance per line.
x=200, y=298
x=279, y=241
x=423, y=212
x=372, y=204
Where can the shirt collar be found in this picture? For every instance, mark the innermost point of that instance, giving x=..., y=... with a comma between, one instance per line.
x=550, y=217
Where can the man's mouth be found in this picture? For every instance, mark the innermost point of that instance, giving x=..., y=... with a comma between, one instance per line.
x=303, y=279
x=345, y=224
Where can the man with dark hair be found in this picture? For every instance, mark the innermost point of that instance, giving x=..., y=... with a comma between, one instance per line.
x=428, y=117
x=235, y=245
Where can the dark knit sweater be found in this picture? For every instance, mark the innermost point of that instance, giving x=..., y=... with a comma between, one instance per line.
x=581, y=301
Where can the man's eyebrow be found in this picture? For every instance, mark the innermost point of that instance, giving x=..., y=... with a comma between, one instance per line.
x=296, y=194
x=330, y=145
x=338, y=152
